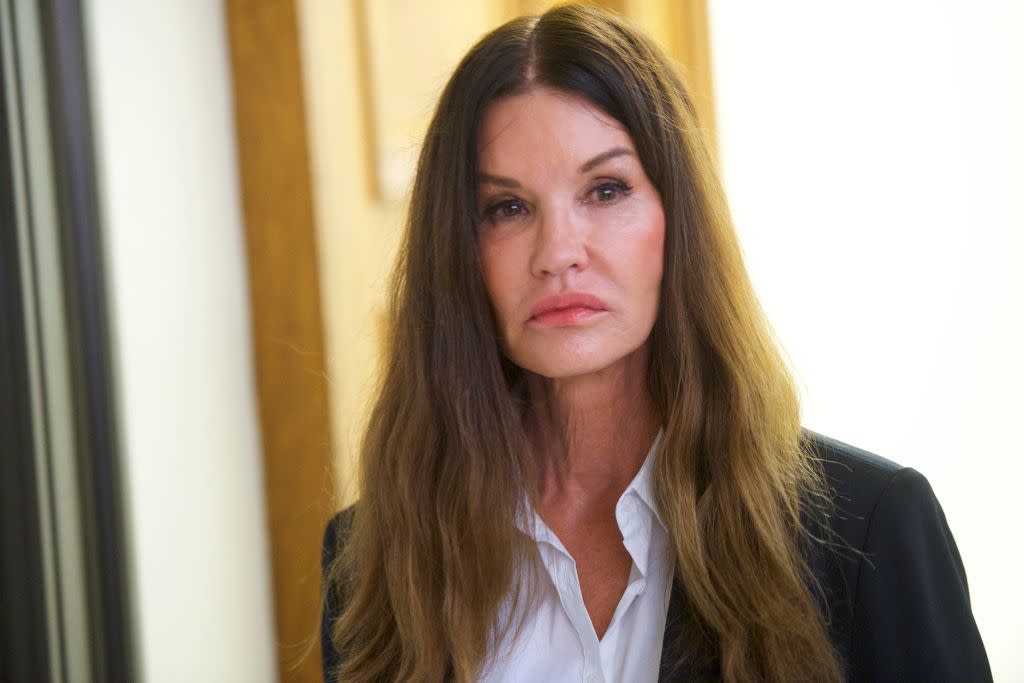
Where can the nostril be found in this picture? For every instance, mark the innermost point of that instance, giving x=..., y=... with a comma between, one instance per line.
x=559, y=250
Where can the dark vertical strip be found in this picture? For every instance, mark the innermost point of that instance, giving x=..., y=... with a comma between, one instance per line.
x=96, y=444
x=24, y=652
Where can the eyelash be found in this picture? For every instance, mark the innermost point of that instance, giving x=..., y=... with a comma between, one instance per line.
x=492, y=212
x=619, y=186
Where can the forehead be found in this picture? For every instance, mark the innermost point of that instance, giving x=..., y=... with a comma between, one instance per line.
x=546, y=124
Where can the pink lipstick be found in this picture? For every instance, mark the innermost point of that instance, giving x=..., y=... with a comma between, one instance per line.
x=566, y=309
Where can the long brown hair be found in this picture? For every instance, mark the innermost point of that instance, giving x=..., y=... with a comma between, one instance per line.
x=433, y=547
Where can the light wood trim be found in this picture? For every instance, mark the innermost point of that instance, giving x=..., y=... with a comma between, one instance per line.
x=367, y=100
x=690, y=45
x=287, y=327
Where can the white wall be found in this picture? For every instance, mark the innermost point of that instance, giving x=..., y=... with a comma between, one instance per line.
x=874, y=157
x=180, y=316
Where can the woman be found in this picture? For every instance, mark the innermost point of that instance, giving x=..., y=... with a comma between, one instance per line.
x=585, y=461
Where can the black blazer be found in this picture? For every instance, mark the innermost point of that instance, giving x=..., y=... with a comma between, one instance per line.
x=892, y=583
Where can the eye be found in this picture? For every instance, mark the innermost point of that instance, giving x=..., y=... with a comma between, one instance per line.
x=506, y=210
x=610, y=191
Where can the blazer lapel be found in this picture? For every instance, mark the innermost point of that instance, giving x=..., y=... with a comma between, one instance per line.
x=671, y=670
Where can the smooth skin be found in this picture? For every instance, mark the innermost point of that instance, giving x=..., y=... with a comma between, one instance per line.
x=565, y=206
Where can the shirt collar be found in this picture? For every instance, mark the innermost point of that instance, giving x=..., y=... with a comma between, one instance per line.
x=643, y=483
x=642, y=486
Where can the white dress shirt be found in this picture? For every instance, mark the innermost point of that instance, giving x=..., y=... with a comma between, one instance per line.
x=558, y=641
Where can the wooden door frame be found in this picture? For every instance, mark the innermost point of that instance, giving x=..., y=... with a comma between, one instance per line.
x=287, y=325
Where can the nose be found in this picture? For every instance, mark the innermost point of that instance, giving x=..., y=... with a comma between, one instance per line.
x=559, y=244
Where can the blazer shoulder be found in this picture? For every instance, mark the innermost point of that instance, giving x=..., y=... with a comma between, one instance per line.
x=845, y=463
x=856, y=479
x=335, y=535
x=899, y=602
x=862, y=488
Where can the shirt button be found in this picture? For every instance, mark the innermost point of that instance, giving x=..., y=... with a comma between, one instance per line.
x=594, y=678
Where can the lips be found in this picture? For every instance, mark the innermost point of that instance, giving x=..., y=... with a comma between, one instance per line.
x=567, y=308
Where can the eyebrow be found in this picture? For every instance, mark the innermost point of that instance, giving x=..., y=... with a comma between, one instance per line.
x=502, y=181
x=603, y=157
x=497, y=180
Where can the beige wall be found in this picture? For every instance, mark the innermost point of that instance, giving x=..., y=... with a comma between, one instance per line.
x=373, y=72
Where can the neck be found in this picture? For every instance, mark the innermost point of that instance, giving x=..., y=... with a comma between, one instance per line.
x=592, y=432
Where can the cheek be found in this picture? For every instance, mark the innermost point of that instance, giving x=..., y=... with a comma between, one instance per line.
x=654, y=249
x=646, y=251
x=499, y=278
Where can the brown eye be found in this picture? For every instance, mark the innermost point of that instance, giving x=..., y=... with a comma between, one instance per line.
x=509, y=209
x=609, y=192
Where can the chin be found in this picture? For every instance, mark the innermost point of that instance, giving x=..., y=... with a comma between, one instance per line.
x=564, y=365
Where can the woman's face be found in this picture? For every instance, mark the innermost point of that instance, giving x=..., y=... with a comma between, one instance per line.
x=571, y=234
